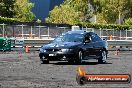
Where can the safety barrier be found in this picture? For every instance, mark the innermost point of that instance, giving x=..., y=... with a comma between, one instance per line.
x=116, y=38
x=35, y=44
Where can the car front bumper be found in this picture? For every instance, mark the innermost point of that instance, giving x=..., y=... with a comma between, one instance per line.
x=55, y=56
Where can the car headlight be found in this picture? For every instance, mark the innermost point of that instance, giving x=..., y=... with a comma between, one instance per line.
x=70, y=49
x=64, y=50
x=42, y=50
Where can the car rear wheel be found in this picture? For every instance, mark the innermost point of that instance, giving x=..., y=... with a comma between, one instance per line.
x=103, y=57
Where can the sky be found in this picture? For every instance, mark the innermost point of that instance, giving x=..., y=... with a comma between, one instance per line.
x=42, y=7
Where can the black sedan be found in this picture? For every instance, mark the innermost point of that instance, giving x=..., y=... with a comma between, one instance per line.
x=75, y=47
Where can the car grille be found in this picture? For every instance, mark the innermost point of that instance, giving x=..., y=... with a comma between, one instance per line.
x=53, y=50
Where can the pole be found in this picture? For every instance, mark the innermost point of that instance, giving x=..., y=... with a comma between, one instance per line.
x=39, y=28
x=48, y=32
x=3, y=30
x=93, y=30
x=126, y=34
x=39, y=31
x=100, y=32
x=120, y=34
x=113, y=34
x=22, y=30
x=31, y=35
x=95, y=19
x=31, y=29
x=119, y=17
x=13, y=32
x=64, y=29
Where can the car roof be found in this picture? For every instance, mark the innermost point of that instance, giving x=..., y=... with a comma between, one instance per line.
x=78, y=32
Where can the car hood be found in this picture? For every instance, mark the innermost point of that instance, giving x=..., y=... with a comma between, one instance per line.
x=61, y=45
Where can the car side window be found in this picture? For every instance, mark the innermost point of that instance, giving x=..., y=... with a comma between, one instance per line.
x=95, y=37
x=87, y=38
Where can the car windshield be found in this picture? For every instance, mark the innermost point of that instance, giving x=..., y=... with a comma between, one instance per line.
x=69, y=37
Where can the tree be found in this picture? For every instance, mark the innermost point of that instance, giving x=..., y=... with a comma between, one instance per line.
x=97, y=9
x=83, y=8
x=23, y=10
x=128, y=21
x=112, y=9
x=128, y=9
x=19, y=9
x=7, y=8
x=70, y=12
x=63, y=15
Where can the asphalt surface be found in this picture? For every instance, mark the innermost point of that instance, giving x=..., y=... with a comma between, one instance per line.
x=21, y=70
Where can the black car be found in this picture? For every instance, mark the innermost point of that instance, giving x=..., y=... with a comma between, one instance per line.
x=75, y=46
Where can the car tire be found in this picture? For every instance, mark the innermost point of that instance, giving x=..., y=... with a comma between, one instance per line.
x=80, y=57
x=103, y=57
x=45, y=61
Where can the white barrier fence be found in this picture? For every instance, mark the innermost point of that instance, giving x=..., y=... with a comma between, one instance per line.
x=35, y=44
x=42, y=32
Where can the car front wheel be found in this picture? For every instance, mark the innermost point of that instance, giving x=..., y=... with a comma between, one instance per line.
x=80, y=57
x=45, y=61
x=103, y=57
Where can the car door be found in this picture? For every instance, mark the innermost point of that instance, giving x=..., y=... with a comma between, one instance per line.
x=97, y=43
x=88, y=45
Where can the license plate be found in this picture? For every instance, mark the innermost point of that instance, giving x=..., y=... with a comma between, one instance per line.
x=51, y=54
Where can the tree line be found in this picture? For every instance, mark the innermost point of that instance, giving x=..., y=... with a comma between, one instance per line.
x=104, y=11
x=72, y=11
x=18, y=9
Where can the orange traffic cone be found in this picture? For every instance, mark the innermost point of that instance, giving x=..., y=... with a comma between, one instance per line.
x=27, y=49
